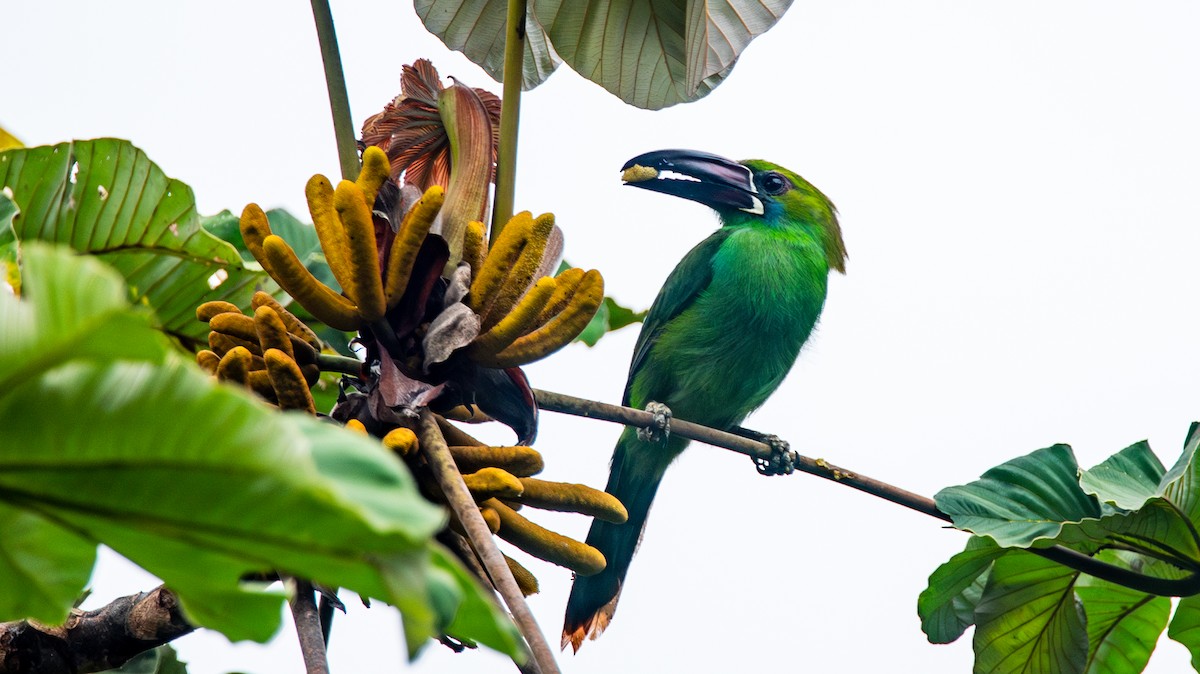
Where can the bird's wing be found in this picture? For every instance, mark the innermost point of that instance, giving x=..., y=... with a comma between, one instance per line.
x=689, y=278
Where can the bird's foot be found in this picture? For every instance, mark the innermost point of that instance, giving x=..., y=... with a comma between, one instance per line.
x=659, y=429
x=782, y=460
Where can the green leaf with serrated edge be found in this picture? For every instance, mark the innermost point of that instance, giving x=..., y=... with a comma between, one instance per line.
x=1185, y=627
x=195, y=481
x=1126, y=479
x=477, y=29
x=1028, y=619
x=1123, y=624
x=105, y=197
x=1023, y=500
x=655, y=53
x=947, y=605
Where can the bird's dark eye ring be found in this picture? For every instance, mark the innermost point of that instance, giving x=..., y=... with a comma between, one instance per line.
x=773, y=183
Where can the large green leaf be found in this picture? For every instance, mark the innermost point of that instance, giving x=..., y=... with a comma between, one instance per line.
x=1022, y=500
x=477, y=29
x=1185, y=627
x=1126, y=479
x=655, y=53
x=947, y=605
x=105, y=197
x=1028, y=619
x=1122, y=624
x=195, y=481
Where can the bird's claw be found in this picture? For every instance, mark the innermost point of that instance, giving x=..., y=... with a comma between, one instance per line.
x=659, y=429
x=782, y=460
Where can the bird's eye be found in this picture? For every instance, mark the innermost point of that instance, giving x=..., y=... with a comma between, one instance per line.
x=773, y=183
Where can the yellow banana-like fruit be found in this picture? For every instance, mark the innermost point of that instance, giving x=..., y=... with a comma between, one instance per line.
x=206, y=311
x=407, y=243
x=475, y=246
x=516, y=460
x=517, y=280
x=492, y=519
x=402, y=441
x=290, y=388
x=255, y=229
x=491, y=482
x=375, y=170
x=272, y=334
x=525, y=580
x=505, y=252
x=327, y=306
x=208, y=360
x=573, y=498
x=542, y=543
x=558, y=331
x=519, y=321
x=236, y=324
x=567, y=284
x=259, y=381
x=319, y=194
x=235, y=365
x=294, y=325
x=366, y=285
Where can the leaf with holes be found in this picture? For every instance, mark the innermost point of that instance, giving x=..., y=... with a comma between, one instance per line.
x=105, y=197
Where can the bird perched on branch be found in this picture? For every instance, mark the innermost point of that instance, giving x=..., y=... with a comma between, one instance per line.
x=719, y=338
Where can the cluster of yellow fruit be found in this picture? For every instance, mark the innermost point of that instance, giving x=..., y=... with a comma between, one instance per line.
x=501, y=481
x=272, y=352
x=521, y=319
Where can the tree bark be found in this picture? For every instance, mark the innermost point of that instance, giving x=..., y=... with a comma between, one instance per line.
x=93, y=641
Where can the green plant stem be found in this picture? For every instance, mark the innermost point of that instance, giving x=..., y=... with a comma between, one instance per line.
x=558, y=402
x=510, y=116
x=335, y=81
x=344, y=364
x=459, y=498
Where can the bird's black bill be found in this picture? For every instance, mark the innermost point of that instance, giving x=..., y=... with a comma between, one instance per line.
x=714, y=181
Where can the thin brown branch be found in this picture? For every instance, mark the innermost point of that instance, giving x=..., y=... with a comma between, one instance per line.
x=308, y=627
x=433, y=445
x=558, y=402
x=93, y=641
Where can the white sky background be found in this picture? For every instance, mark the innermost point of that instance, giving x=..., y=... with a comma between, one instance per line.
x=1017, y=184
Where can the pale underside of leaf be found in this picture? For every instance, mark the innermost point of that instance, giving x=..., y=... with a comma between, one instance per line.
x=655, y=53
x=477, y=29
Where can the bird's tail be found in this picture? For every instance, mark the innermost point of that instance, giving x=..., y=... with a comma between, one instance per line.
x=637, y=470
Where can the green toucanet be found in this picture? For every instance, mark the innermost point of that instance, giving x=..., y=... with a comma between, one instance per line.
x=719, y=338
